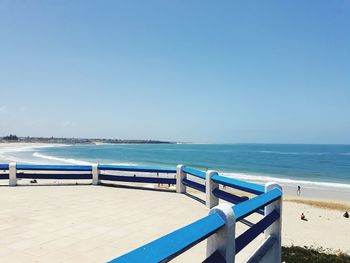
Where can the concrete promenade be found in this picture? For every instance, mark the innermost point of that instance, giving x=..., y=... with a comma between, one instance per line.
x=85, y=223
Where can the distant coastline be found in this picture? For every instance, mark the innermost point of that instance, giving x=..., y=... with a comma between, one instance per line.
x=72, y=141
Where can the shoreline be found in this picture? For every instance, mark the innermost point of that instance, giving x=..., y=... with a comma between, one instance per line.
x=328, y=194
x=309, y=189
x=337, y=205
x=323, y=217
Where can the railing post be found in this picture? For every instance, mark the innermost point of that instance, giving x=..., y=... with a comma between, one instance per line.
x=211, y=200
x=12, y=174
x=223, y=240
x=275, y=229
x=180, y=175
x=95, y=172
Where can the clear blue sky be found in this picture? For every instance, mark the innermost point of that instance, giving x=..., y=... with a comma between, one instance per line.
x=205, y=71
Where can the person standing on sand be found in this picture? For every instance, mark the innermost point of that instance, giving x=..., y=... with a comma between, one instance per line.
x=158, y=176
x=298, y=191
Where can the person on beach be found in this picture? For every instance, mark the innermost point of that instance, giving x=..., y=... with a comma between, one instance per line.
x=298, y=191
x=302, y=217
x=346, y=214
x=158, y=176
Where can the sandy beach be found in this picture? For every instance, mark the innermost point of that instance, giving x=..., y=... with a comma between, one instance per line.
x=325, y=226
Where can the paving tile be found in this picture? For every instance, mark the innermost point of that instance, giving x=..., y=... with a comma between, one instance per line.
x=89, y=223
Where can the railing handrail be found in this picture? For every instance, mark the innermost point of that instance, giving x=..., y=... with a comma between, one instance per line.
x=64, y=176
x=194, y=172
x=28, y=167
x=194, y=185
x=4, y=166
x=251, y=233
x=238, y=184
x=136, y=168
x=174, y=243
x=234, y=199
x=250, y=206
x=137, y=179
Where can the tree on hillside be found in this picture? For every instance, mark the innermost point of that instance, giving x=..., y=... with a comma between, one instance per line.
x=11, y=138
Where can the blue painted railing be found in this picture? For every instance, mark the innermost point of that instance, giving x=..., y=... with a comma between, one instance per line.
x=136, y=168
x=249, y=235
x=226, y=182
x=25, y=171
x=33, y=167
x=82, y=172
x=238, y=184
x=4, y=166
x=5, y=175
x=175, y=243
x=194, y=185
x=194, y=172
x=250, y=206
x=234, y=199
x=137, y=179
x=54, y=176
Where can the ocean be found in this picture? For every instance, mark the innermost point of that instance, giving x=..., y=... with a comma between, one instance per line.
x=313, y=165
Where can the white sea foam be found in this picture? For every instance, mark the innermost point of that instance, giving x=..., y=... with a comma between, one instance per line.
x=58, y=159
x=17, y=159
x=294, y=153
x=71, y=160
x=126, y=164
x=285, y=181
x=101, y=143
x=10, y=152
x=25, y=148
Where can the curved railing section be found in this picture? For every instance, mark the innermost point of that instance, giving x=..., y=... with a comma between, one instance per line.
x=147, y=169
x=197, y=175
x=67, y=172
x=238, y=184
x=4, y=171
x=40, y=167
x=175, y=243
x=105, y=175
x=4, y=166
x=218, y=227
x=222, y=244
x=194, y=172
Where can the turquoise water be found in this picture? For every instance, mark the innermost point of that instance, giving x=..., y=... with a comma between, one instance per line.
x=287, y=163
